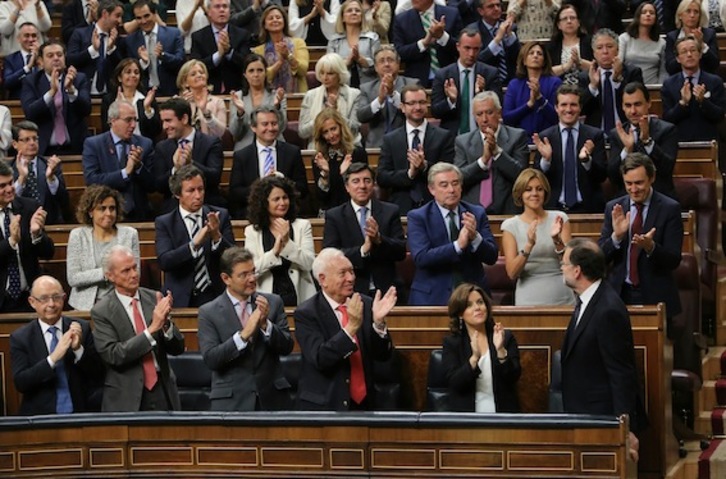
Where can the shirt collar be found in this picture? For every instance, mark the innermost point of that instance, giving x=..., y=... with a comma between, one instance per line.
x=647, y=201
x=421, y=128
x=587, y=295
x=184, y=213
x=333, y=303
x=575, y=127
x=357, y=207
x=236, y=301
x=154, y=30
x=445, y=211
x=261, y=147
x=116, y=138
x=44, y=327
x=126, y=300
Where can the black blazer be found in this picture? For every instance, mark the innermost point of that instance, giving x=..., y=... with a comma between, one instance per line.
x=554, y=47
x=709, y=61
x=230, y=67
x=342, y=231
x=462, y=379
x=14, y=74
x=589, y=182
x=72, y=19
x=149, y=127
x=326, y=349
x=511, y=52
x=592, y=105
x=336, y=194
x=54, y=205
x=29, y=252
x=450, y=119
x=694, y=122
x=246, y=169
x=36, y=380
x=79, y=57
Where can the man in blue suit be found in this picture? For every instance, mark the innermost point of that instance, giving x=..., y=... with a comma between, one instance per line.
x=160, y=49
x=500, y=45
x=122, y=160
x=426, y=41
x=20, y=64
x=448, y=239
x=190, y=241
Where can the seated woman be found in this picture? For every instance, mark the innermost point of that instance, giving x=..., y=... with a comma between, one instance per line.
x=570, y=47
x=100, y=210
x=533, y=18
x=335, y=153
x=691, y=19
x=281, y=243
x=533, y=244
x=333, y=92
x=378, y=16
x=287, y=58
x=480, y=357
x=255, y=92
x=354, y=41
x=313, y=21
x=531, y=97
x=126, y=85
x=209, y=113
x=641, y=44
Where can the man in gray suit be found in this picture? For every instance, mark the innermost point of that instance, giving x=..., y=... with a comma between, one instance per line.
x=491, y=157
x=242, y=334
x=380, y=100
x=133, y=335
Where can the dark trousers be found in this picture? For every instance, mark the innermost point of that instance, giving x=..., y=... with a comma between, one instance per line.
x=155, y=399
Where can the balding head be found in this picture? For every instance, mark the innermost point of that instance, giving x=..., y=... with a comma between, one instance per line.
x=47, y=298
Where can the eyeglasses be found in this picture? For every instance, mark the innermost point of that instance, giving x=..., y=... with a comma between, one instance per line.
x=386, y=60
x=562, y=263
x=34, y=139
x=248, y=274
x=564, y=19
x=129, y=119
x=45, y=299
x=415, y=103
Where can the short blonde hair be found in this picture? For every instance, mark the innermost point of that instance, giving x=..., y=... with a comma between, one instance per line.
x=332, y=62
x=520, y=184
x=181, y=78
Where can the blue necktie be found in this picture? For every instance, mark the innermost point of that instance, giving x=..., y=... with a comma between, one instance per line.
x=570, y=170
x=363, y=210
x=63, y=401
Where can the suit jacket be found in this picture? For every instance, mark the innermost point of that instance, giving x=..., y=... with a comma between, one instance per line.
x=607, y=14
x=14, y=74
x=451, y=118
x=709, y=61
x=598, y=360
x=377, y=122
x=462, y=379
x=53, y=204
x=149, y=127
x=592, y=105
x=122, y=351
x=167, y=66
x=206, y=155
x=101, y=166
x=694, y=122
x=511, y=52
x=227, y=72
x=436, y=258
x=37, y=381
x=342, y=231
x=438, y=145
x=657, y=282
x=175, y=255
x=408, y=30
x=253, y=375
x=510, y=163
x=29, y=252
x=664, y=153
x=326, y=349
x=241, y=129
x=78, y=56
x=515, y=111
x=75, y=113
x=336, y=193
x=72, y=19
x=588, y=181
x=246, y=169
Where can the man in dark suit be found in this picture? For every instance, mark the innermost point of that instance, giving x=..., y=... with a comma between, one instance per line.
x=222, y=47
x=36, y=177
x=500, y=45
x=23, y=242
x=456, y=85
x=55, y=363
x=693, y=99
x=409, y=151
x=122, y=160
x=93, y=49
x=709, y=61
x=491, y=157
x=186, y=145
x=642, y=237
x=242, y=334
x=77, y=14
x=603, y=84
x=595, y=16
x=424, y=37
x=134, y=334
x=340, y=333
x=20, y=64
x=373, y=243
x=380, y=100
x=599, y=375
x=449, y=240
x=572, y=156
x=264, y=157
x=190, y=240
x=160, y=49
x=645, y=134
x=58, y=106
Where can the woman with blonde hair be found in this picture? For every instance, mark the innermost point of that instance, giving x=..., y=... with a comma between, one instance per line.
x=209, y=113
x=355, y=42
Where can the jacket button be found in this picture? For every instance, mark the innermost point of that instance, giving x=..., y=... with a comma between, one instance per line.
x=347, y=381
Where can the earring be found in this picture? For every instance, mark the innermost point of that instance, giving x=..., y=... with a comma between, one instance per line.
x=461, y=324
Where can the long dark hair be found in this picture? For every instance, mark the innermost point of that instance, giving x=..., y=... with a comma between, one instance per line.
x=632, y=30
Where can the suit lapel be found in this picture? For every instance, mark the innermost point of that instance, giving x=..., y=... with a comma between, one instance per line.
x=352, y=222
x=585, y=318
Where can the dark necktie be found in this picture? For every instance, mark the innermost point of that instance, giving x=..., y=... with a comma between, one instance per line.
x=570, y=170
x=416, y=194
x=608, y=104
x=691, y=84
x=122, y=150
x=576, y=312
x=100, y=64
x=27, y=62
x=416, y=142
x=63, y=401
x=456, y=278
x=635, y=229
x=13, y=268
x=362, y=220
x=31, y=182
x=501, y=58
x=465, y=99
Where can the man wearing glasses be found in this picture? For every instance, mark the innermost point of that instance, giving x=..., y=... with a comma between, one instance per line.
x=122, y=160
x=55, y=363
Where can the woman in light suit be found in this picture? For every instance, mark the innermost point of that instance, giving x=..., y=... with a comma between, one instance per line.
x=355, y=42
x=281, y=243
x=100, y=209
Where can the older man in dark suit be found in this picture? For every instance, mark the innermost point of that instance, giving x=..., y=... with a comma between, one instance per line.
x=491, y=157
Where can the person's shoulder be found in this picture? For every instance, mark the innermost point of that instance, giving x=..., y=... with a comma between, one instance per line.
x=473, y=208
x=309, y=306
x=665, y=201
x=336, y=211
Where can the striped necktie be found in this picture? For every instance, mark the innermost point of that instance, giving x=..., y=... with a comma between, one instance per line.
x=502, y=56
x=201, y=275
x=426, y=21
x=269, y=166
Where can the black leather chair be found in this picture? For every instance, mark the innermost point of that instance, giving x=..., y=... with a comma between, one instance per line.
x=437, y=387
x=193, y=380
x=387, y=378
x=291, y=366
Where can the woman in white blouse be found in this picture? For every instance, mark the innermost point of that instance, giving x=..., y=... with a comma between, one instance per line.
x=313, y=20
x=191, y=17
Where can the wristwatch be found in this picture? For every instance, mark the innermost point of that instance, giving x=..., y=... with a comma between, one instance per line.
x=524, y=253
x=649, y=142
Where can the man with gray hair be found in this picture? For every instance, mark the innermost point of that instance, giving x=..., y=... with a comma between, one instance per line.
x=491, y=157
x=449, y=239
x=340, y=333
x=133, y=335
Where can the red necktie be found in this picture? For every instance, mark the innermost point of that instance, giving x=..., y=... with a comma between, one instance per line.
x=635, y=229
x=357, y=376
x=150, y=376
